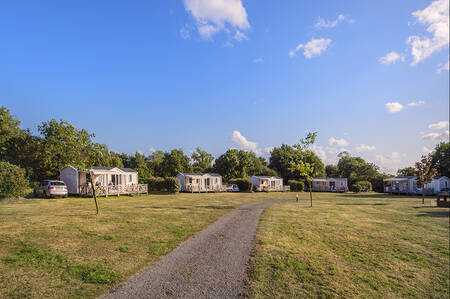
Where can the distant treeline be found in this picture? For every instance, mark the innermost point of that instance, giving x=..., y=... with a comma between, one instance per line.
x=60, y=144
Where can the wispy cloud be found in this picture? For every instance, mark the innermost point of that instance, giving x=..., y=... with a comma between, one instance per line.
x=258, y=60
x=364, y=148
x=391, y=58
x=247, y=145
x=315, y=47
x=439, y=125
x=338, y=142
x=394, y=107
x=319, y=151
x=416, y=104
x=443, y=67
x=214, y=16
x=437, y=136
x=323, y=24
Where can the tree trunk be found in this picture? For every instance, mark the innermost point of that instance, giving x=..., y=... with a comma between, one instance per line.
x=310, y=192
x=423, y=195
x=93, y=193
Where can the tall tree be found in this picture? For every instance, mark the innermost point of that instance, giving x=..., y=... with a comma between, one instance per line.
x=201, y=160
x=156, y=160
x=303, y=167
x=440, y=159
x=425, y=173
x=407, y=171
x=332, y=171
x=175, y=162
x=10, y=135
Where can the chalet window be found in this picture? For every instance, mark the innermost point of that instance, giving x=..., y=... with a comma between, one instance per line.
x=190, y=180
x=131, y=178
x=217, y=181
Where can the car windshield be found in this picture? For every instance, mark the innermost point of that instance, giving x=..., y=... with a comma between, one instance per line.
x=57, y=184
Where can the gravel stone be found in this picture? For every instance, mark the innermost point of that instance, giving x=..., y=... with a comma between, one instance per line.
x=211, y=264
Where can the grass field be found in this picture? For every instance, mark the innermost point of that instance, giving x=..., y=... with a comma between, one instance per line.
x=60, y=248
x=347, y=245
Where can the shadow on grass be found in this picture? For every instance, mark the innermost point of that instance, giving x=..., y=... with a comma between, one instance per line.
x=216, y=207
x=380, y=195
x=435, y=214
x=362, y=204
x=162, y=208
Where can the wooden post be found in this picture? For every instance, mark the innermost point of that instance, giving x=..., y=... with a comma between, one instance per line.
x=310, y=192
x=93, y=191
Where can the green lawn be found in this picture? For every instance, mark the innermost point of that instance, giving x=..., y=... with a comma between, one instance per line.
x=60, y=248
x=363, y=246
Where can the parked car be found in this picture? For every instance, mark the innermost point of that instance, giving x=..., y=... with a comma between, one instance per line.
x=51, y=188
x=232, y=188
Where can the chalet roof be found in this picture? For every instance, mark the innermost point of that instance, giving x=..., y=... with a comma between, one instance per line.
x=127, y=169
x=267, y=177
x=199, y=174
x=439, y=177
x=102, y=168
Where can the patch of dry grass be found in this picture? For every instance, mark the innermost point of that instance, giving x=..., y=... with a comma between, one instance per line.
x=348, y=245
x=60, y=248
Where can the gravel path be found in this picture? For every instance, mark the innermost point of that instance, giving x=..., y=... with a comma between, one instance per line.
x=210, y=265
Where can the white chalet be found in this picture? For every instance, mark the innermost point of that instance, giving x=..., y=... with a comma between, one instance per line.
x=201, y=182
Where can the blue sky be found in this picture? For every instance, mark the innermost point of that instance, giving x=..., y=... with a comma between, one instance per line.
x=249, y=74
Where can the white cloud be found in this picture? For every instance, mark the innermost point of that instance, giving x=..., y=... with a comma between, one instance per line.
x=245, y=144
x=258, y=60
x=391, y=57
x=439, y=125
x=364, y=148
x=388, y=163
x=416, y=104
x=393, y=107
x=217, y=15
x=268, y=150
x=436, y=17
x=321, y=23
x=315, y=47
x=240, y=36
x=152, y=150
x=185, y=32
x=426, y=150
x=319, y=151
x=437, y=136
x=443, y=67
x=139, y=151
x=338, y=142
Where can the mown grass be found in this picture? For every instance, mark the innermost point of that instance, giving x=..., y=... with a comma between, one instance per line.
x=367, y=246
x=59, y=248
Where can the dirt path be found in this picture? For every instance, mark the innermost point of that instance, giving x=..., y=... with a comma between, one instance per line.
x=211, y=264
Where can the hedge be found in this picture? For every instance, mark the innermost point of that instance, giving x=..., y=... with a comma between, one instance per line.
x=356, y=188
x=366, y=186
x=296, y=185
x=243, y=184
x=12, y=180
x=164, y=184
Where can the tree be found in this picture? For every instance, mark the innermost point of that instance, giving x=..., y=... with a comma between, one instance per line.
x=407, y=171
x=155, y=161
x=356, y=169
x=332, y=171
x=425, y=173
x=201, y=160
x=303, y=167
x=175, y=162
x=440, y=159
x=139, y=163
x=10, y=135
x=230, y=165
x=12, y=180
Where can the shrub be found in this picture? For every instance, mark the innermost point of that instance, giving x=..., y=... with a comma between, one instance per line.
x=12, y=180
x=296, y=185
x=356, y=188
x=172, y=185
x=155, y=184
x=164, y=184
x=366, y=186
x=243, y=184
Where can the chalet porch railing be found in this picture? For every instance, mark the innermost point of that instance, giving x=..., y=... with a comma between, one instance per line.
x=279, y=188
x=114, y=189
x=198, y=188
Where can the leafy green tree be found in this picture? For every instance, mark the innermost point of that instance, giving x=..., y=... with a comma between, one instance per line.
x=407, y=171
x=156, y=163
x=229, y=165
x=303, y=166
x=440, y=159
x=332, y=171
x=201, y=160
x=175, y=162
x=425, y=173
x=139, y=163
x=356, y=169
x=10, y=135
x=12, y=180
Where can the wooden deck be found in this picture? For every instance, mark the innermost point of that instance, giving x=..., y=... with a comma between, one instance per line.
x=86, y=190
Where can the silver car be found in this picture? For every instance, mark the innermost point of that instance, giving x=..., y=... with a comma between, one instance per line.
x=51, y=188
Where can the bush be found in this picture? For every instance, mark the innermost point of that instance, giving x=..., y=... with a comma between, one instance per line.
x=366, y=186
x=356, y=188
x=243, y=184
x=172, y=185
x=296, y=185
x=164, y=184
x=12, y=180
